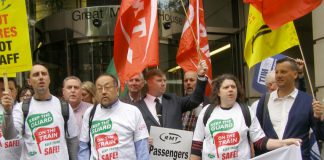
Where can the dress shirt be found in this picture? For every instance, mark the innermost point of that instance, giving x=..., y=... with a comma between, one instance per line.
x=279, y=110
x=79, y=111
x=149, y=100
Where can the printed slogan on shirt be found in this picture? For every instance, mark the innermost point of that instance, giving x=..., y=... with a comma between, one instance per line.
x=105, y=141
x=47, y=138
x=226, y=143
x=15, y=54
x=7, y=145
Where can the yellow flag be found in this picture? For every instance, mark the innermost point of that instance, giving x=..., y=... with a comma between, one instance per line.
x=261, y=42
x=15, y=53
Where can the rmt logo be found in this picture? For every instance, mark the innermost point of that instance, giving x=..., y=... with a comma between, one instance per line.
x=171, y=138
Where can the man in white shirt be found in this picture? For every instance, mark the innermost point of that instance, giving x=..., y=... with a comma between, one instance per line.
x=290, y=112
x=115, y=130
x=43, y=128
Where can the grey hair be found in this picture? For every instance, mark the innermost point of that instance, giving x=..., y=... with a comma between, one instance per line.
x=270, y=77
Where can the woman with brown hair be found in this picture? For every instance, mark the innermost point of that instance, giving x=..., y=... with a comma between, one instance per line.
x=226, y=134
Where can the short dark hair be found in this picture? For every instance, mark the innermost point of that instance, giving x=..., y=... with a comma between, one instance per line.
x=153, y=72
x=10, y=79
x=39, y=64
x=215, y=99
x=115, y=80
x=71, y=77
x=292, y=63
x=24, y=89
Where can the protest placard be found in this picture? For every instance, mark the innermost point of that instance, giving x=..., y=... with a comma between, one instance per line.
x=15, y=53
x=169, y=144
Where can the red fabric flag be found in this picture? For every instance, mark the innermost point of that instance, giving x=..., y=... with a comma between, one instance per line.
x=278, y=12
x=136, y=38
x=193, y=34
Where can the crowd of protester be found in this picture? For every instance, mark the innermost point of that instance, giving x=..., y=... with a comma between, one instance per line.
x=91, y=121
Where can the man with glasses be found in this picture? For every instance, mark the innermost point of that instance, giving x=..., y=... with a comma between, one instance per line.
x=114, y=129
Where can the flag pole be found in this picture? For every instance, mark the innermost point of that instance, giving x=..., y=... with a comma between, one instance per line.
x=198, y=29
x=307, y=73
x=192, y=32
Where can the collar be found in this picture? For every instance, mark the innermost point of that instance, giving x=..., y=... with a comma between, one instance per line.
x=48, y=99
x=223, y=108
x=293, y=94
x=77, y=107
x=132, y=99
x=112, y=105
x=152, y=98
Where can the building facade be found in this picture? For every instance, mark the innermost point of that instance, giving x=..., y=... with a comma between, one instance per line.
x=76, y=38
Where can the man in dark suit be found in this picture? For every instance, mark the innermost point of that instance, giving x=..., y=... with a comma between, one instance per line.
x=135, y=86
x=165, y=110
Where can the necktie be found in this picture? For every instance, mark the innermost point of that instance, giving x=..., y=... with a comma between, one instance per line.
x=158, y=107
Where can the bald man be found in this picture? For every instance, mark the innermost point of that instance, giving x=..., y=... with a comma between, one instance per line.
x=189, y=118
x=43, y=128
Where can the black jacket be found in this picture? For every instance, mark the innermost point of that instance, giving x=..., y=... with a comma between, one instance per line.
x=173, y=106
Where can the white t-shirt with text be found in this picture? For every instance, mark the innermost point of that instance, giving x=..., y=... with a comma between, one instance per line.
x=225, y=134
x=114, y=131
x=44, y=135
x=9, y=149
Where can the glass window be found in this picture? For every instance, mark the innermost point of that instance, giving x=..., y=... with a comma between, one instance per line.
x=89, y=60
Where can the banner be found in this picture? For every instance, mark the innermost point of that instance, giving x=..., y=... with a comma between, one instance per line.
x=261, y=70
x=170, y=144
x=315, y=153
x=194, y=34
x=279, y=12
x=262, y=42
x=136, y=38
x=15, y=54
x=292, y=152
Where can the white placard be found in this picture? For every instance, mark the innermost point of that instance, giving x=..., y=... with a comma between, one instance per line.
x=287, y=152
x=170, y=144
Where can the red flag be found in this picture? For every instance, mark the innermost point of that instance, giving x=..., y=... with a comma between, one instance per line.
x=278, y=12
x=193, y=34
x=136, y=38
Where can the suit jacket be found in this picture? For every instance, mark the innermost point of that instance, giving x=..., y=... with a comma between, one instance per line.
x=127, y=99
x=173, y=106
